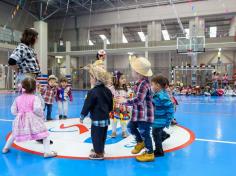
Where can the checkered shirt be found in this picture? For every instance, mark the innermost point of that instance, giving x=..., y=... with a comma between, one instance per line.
x=26, y=59
x=101, y=123
x=49, y=93
x=143, y=109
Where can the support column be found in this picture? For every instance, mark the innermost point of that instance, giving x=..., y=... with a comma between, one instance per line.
x=197, y=27
x=154, y=31
x=55, y=47
x=232, y=30
x=41, y=47
x=83, y=36
x=232, y=33
x=117, y=34
x=68, y=65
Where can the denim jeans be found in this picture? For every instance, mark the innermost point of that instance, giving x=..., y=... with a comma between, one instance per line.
x=142, y=132
x=49, y=111
x=157, y=134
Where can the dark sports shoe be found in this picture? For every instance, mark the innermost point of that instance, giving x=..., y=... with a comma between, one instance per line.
x=166, y=136
x=158, y=154
x=174, y=122
x=60, y=117
x=64, y=117
x=95, y=156
x=41, y=141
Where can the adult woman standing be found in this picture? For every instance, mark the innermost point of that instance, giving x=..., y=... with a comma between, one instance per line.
x=100, y=58
x=24, y=59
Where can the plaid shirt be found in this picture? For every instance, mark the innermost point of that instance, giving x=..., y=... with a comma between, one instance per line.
x=143, y=109
x=49, y=93
x=26, y=59
x=101, y=123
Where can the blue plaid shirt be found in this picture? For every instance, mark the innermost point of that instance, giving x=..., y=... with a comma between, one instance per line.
x=98, y=123
x=101, y=123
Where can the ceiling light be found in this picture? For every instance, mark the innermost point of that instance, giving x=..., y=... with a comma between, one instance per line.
x=186, y=33
x=104, y=38
x=165, y=35
x=124, y=40
x=90, y=43
x=142, y=36
x=213, y=31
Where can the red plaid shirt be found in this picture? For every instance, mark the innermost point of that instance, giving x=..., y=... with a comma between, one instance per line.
x=143, y=109
x=49, y=93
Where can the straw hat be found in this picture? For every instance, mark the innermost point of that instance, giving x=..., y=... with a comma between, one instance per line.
x=97, y=72
x=141, y=65
x=52, y=77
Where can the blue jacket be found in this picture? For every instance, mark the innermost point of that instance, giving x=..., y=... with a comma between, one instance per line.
x=163, y=109
x=99, y=103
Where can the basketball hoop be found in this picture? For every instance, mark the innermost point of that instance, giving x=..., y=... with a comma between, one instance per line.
x=191, y=45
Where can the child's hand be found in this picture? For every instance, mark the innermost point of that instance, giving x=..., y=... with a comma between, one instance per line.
x=121, y=100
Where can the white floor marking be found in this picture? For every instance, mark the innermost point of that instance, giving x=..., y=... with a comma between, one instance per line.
x=216, y=141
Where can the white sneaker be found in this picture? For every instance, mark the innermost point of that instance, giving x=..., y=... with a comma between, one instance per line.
x=5, y=150
x=50, y=155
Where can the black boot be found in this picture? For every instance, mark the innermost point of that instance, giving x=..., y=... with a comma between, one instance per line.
x=165, y=136
x=158, y=153
x=64, y=117
x=60, y=117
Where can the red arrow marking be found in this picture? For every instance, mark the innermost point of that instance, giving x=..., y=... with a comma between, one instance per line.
x=82, y=128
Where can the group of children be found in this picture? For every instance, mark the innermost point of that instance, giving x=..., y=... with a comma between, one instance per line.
x=143, y=108
x=29, y=108
x=206, y=91
x=61, y=93
x=151, y=104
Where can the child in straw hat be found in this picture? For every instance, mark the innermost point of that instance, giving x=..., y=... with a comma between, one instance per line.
x=143, y=112
x=99, y=104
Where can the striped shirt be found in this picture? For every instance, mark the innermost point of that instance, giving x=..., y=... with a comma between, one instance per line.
x=164, y=109
x=142, y=102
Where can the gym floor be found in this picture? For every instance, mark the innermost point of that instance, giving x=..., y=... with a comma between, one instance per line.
x=212, y=150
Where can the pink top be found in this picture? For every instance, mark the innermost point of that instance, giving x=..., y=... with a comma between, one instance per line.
x=27, y=103
x=29, y=121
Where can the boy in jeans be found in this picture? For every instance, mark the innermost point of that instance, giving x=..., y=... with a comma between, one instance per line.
x=49, y=93
x=143, y=112
x=163, y=112
x=99, y=104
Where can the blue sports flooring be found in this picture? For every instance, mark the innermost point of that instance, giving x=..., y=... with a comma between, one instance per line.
x=213, y=153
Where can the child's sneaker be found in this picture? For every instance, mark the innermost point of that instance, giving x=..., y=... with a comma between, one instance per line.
x=50, y=155
x=124, y=135
x=146, y=157
x=138, y=147
x=174, y=122
x=95, y=156
x=158, y=154
x=113, y=135
x=60, y=117
x=41, y=141
x=5, y=150
x=64, y=117
x=165, y=136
